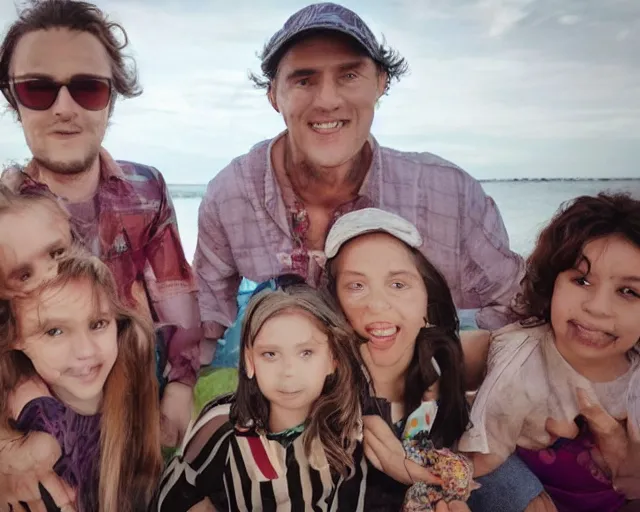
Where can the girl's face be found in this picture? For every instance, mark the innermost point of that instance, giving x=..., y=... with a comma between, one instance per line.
x=70, y=335
x=291, y=359
x=384, y=298
x=595, y=308
x=32, y=239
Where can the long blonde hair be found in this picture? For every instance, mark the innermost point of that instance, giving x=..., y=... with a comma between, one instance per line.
x=130, y=456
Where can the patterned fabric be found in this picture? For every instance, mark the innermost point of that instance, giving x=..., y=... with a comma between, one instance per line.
x=137, y=237
x=247, y=229
x=421, y=420
x=79, y=439
x=245, y=471
x=455, y=471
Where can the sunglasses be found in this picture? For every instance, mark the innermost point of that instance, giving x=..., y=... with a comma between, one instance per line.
x=41, y=93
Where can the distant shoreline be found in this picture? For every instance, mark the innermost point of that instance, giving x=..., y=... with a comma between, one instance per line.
x=485, y=180
x=555, y=179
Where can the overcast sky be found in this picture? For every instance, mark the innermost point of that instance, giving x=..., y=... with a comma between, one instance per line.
x=503, y=88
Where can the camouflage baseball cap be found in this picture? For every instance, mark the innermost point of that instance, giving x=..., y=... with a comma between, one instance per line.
x=323, y=16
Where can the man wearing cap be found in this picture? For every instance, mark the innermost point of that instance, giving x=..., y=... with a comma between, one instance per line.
x=269, y=211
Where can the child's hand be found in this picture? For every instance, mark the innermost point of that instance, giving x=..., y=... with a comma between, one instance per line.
x=176, y=409
x=386, y=453
x=454, y=506
x=24, y=463
x=558, y=429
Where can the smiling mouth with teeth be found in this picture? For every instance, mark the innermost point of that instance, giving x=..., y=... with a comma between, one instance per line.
x=383, y=333
x=327, y=126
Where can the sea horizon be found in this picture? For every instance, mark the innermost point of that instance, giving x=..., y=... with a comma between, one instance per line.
x=186, y=190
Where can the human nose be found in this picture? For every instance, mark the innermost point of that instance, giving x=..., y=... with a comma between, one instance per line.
x=378, y=301
x=84, y=346
x=328, y=97
x=597, y=302
x=64, y=106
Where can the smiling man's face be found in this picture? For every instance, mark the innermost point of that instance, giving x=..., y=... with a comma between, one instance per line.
x=326, y=89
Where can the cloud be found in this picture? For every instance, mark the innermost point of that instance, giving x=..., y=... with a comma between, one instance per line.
x=504, y=15
x=504, y=88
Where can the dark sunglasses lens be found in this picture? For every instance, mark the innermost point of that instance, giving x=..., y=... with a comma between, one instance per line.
x=90, y=93
x=36, y=94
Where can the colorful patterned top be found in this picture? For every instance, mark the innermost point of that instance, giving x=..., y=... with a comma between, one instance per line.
x=131, y=225
x=79, y=439
x=248, y=228
x=455, y=470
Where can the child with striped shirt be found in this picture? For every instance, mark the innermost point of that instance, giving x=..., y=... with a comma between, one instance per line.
x=289, y=438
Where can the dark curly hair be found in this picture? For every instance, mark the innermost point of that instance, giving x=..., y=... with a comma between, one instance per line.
x=560, y=244
x=77, y=16
x=390, y=61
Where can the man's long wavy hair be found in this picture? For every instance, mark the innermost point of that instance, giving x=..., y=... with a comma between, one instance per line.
x=334, y=418
x=560, y=244
x=77, y=16
x=130, y=456
x=441, y=341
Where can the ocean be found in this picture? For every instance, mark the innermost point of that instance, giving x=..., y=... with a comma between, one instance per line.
x=526, y=206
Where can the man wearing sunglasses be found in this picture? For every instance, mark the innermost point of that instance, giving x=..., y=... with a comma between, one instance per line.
x=61, y=70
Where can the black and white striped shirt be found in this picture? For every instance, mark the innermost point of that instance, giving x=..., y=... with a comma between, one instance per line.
x=244, y=471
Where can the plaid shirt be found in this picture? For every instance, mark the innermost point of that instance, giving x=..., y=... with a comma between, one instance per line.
x=137, y=237
x=248, y=228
